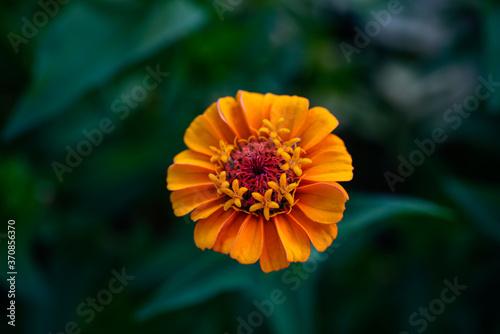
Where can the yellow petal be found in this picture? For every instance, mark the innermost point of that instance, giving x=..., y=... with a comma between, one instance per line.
x=269, y=100
x=273, y=185
x=318, y=125
x=232, y=113
x=266, y=213
x=330, y=143
x=180, y=176
x=193, y=158
x=256, y=207
x=228, y=204
x=335, y=184
x=321, y=202
x=247, y=247
x=294, y=111
x=283, y=180
x=200, y=135
x=220, y=126
x=297, y=170
x=258, y=197
x=295, y=241
x=286, y=156
x=330, y=166
x=274, y=205
x=268, y=194
x=252, y=105
x=267, y=124
x=186, y=200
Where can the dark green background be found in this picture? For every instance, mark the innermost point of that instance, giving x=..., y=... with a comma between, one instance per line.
x=394, y=250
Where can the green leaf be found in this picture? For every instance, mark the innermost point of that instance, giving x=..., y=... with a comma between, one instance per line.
x=87, y=45
x=481, y=206
x=296, y=313
x=363, y=210
x=196, y=284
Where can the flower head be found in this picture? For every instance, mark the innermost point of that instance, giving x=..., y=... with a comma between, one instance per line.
x=260, y=178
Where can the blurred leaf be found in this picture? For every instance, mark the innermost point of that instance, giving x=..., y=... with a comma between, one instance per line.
x=477, y=205
x=296, y=313
x=491, y=12
x=363, y=210
x=196, y=284
x=86, y=46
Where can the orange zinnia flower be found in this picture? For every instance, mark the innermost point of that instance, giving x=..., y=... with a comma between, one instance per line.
x=261, y=175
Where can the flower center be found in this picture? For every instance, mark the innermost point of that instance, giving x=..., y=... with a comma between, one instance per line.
x=260, y=174
x=254, y=165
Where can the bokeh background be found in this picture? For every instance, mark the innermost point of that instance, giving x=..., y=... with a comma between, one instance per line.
x=68, y=65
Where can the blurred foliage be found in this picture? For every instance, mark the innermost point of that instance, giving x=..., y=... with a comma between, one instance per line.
x=112, y=211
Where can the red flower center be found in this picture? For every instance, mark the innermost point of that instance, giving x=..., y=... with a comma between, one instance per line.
x=254, y=165
x=261, y=173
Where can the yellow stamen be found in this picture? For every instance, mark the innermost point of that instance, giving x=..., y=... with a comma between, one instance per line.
x=286, y=146
x=273, y=131
x=221, y=154
x=265, y=203
x=294, y=162
x=235, y=194
x=220, y=182
x=283, y=189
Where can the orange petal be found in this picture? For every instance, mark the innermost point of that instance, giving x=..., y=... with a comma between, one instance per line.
x=295, y=241
x=228, y=233
x=205, y=210
x=321, y=202
x=219, y=125
x=180, y=176
x=247, y=247
x=194, y=158
x=329, y=166
x=268, y=103
x=231, y=112
x=252, y=105
x=321, y=235
x=207, y=230
x=319, y=124
x=186, y=200
x=294, y=110
x=339, y=187
x=200, y=135
x=333, y=183
x=273, y=253
x=330, y=143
